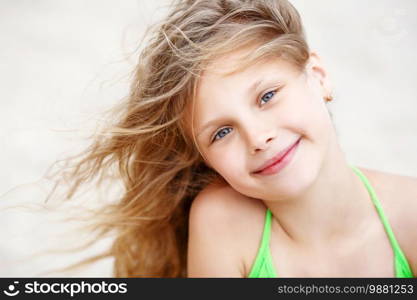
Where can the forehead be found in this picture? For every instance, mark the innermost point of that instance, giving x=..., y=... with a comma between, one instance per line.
x=234, y=69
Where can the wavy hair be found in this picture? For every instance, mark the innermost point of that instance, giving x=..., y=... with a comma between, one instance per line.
x=148, y=143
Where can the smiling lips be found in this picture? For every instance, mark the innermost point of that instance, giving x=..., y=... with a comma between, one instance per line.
x=278, y=161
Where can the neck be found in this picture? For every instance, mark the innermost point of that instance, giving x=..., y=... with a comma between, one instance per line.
x=336, y=205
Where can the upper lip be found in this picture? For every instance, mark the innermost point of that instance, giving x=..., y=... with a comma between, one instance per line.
x=275, y=158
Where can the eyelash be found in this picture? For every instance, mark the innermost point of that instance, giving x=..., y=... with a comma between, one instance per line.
x=272, y=91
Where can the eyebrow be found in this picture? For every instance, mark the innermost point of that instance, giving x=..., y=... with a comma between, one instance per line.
x=210, y=123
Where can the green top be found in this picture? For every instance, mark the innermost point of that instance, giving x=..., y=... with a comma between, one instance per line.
x=263, y=266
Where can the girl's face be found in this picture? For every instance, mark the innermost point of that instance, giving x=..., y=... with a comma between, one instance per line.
x=243, y=120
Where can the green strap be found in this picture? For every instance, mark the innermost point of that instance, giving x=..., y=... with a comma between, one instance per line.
x=263, y=265
x=402, y=268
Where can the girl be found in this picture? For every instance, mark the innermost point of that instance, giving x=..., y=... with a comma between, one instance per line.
x=230, y=162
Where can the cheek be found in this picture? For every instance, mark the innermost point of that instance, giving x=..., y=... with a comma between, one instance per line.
x=228, y=163
x=313, y=116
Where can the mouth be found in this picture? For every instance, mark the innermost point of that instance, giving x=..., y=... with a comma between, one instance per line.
x=279, y=161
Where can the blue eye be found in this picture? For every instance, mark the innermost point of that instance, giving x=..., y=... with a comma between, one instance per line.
x=268, y=96
x=226, y=130
x=221, y=133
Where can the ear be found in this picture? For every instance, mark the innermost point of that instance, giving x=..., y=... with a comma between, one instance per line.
x=315, y=70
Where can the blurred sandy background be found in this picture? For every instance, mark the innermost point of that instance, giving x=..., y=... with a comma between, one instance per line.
x=63, y=62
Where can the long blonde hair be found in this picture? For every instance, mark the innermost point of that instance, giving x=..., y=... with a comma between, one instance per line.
x=149, y=146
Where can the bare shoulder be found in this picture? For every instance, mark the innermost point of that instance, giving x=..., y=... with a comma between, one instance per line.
x=222, y=226
x=395, y=190
x=398, y=196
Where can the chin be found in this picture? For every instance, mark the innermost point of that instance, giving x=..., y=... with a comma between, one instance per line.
x=294, y=184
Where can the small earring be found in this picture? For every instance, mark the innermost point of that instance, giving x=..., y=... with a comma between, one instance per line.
x=328, y=98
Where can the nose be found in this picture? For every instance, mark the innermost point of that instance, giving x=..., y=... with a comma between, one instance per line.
x=259, y=140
